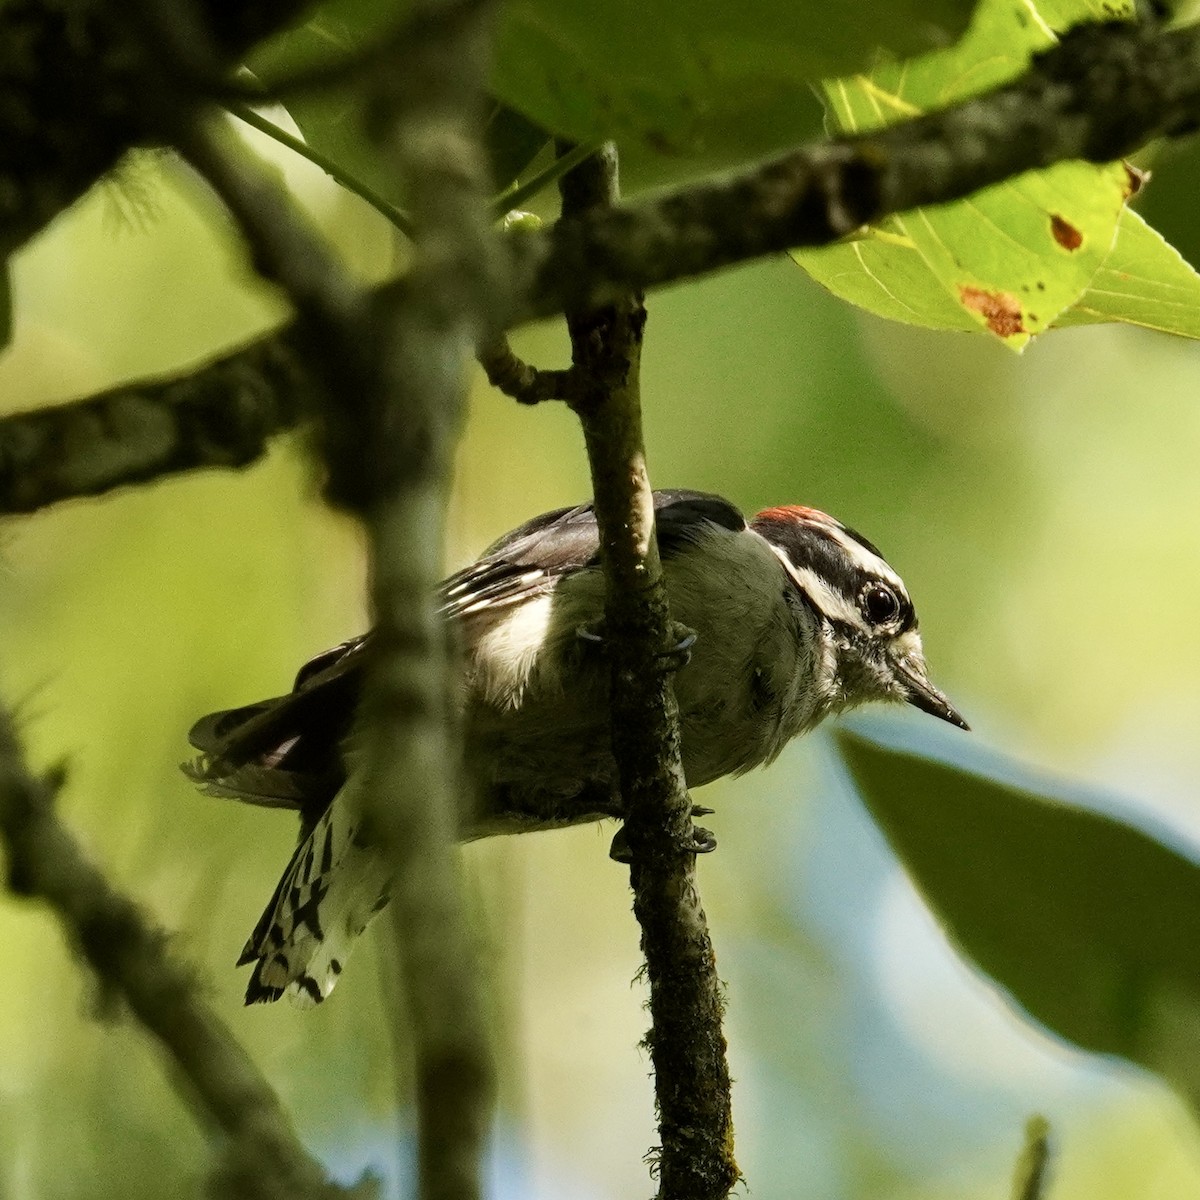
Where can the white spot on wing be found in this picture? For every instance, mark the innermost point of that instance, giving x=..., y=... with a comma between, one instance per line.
x=505, y=655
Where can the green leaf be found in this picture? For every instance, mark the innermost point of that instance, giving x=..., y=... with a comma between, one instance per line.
x=513, y=142
x=330, y=119
x=1144, y=281
x=711, y=81
x=1009, y=259
x=1089, y=922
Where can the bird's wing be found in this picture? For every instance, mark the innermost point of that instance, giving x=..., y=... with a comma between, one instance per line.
x=285, y=752
x=527, y=562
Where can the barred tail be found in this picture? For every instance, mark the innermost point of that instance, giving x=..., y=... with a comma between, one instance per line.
x=331, y=889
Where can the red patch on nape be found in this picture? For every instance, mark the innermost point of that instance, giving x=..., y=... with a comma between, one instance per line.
x=795, y=512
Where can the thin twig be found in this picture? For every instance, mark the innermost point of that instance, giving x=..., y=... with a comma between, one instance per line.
x=687, y=1045
x=131, y=961
x=526, y=384
x=1033, y=1166
x=522, y=193
x=391, y=212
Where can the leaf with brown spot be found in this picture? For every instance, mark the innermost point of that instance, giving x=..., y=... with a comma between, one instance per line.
x=1144, y=281
x=1000, y=310
x=912, y=267
x=1065, y=234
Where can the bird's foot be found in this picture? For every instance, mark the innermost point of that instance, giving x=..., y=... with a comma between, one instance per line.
x=592, y=632
x=675, y=656
x=679, y=655
x=701, y=841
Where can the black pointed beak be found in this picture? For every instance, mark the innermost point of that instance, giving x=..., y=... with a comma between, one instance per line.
x=920, y=693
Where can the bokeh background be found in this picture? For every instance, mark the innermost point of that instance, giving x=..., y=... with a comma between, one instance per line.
x=1043, y=511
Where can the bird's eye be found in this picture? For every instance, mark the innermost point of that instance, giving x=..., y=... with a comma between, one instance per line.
x=879, y=603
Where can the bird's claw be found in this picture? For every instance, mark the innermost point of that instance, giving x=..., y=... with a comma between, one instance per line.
x=591, y=631
x=701, y=841
x=619, y=849
x=674, y=656
x=678, y=656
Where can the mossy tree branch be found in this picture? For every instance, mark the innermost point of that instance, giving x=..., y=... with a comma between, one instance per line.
x=1102, y=92
x=687, y=1046
x=221, y=415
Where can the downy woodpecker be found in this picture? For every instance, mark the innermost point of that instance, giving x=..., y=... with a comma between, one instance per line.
x=795, y=615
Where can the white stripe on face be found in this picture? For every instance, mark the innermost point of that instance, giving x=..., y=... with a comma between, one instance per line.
x=862, y=557
x=830, y=602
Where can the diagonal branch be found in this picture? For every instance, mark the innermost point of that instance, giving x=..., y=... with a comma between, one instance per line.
x=1101, y=93
x=686, y=1041
x=131, y=960
x=222, y=415
x=1104, y=91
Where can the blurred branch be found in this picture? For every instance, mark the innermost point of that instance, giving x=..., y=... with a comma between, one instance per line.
x=396, y=371
x=131, y=961
x=221, y=415
x=425, y=114
x=73, y=96
x=686, y=1041
x=1032, y=1173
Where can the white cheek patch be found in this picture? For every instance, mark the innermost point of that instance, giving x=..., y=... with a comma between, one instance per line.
x=908, y=647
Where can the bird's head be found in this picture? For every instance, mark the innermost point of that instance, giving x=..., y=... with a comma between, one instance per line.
x=868, y=644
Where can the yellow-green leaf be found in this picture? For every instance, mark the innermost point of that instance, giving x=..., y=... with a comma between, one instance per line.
x=1144, y=281
x=1009, y=259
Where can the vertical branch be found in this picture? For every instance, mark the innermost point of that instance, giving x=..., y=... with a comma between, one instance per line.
x=1030, y=1180
x=390, y=456
x=686, y=1042
x=395, y=367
